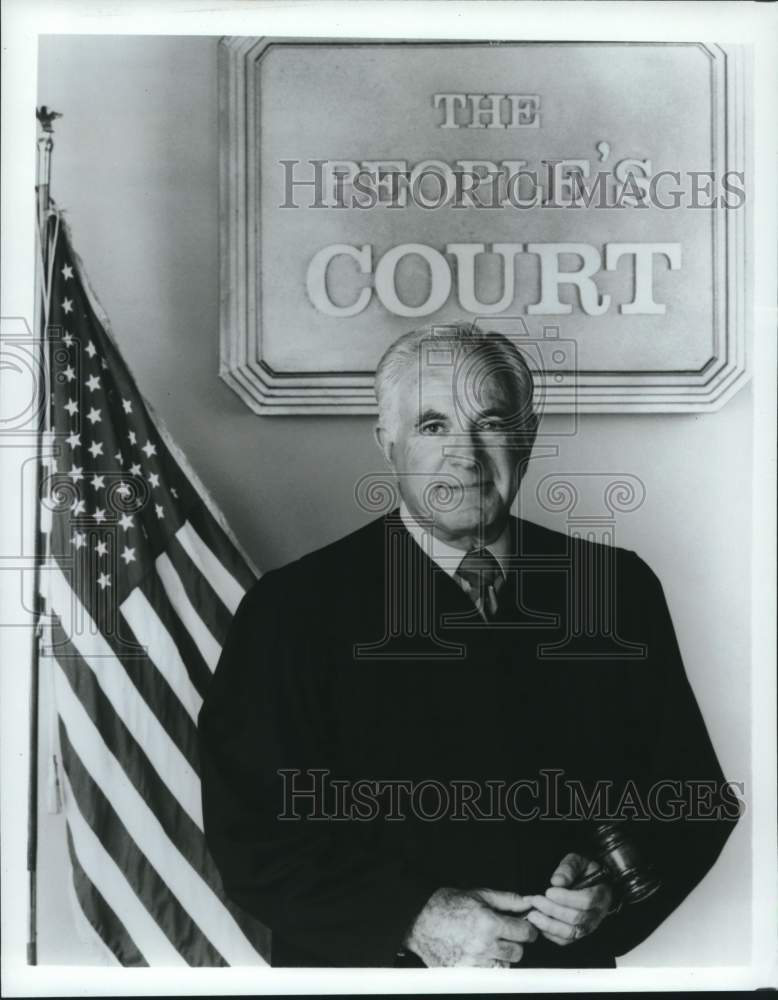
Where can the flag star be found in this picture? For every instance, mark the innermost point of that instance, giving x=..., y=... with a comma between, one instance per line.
x=79, y=539
x=91, y=350
x=154, y=479
x=95, y=449
x=67, y=272
x=159, y=511
x=74, y=440
x=76, y=473
x=135, y=470
x=67, y=340
x=131, y=437
x=127, y=404
x=69, y=373
x=119, y=457
x=98, y=482
x=104, y=580
x=123, y=490
x=77, y=507
x=67, y=305
x=71, y=406
x=92, y=383
x=94, y=416
x=128, y=555
x=101, y=548
x=125, y=521
x=149, y=448
x=99, y=515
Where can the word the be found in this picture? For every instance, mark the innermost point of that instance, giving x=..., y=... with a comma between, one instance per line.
x=489, y=110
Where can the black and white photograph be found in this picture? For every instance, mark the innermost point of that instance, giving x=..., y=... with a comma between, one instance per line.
x=388, y=532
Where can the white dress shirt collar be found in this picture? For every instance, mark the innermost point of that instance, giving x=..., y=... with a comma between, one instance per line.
x=448, y=557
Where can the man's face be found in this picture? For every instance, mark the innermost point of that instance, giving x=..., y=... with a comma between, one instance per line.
x=453, y=453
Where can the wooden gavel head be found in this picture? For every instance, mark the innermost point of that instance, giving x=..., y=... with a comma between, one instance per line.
x=632, y=876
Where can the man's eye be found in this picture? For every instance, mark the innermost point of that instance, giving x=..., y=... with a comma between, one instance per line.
x=492, y=425
x=431, y=427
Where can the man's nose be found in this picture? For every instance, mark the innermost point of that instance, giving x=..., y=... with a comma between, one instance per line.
x=466, y=448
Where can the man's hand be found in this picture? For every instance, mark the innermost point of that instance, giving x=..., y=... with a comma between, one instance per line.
x=566, y=915
x=465, y=928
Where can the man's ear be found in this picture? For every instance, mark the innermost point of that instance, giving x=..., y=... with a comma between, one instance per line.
x=384, y=442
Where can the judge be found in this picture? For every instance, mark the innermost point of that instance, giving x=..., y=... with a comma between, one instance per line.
x=451, y=644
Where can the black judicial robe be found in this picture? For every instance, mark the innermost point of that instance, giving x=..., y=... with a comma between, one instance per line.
x=364, y=660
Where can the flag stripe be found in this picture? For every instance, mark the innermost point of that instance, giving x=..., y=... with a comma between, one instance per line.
x=105, y=922
x=125, y=749
x=158, y=695
x=223, y=582
x=165, y=756
x=103, y=872
x=176, y=823
x=204, y=907
x=219, y=541
x=197, y=669
x=165, y=908
x=175, y=590
x=161, y=650
x=200, y=591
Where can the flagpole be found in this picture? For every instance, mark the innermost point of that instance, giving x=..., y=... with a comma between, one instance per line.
x=45, y=146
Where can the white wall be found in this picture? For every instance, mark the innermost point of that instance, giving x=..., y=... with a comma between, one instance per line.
x=135, y=166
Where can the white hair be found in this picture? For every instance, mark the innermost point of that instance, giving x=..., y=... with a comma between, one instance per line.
x=404, y=356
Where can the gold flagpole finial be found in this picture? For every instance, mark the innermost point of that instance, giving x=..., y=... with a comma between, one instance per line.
x=46, y=117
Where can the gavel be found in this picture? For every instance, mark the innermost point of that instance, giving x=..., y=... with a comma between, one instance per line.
x=621, y=863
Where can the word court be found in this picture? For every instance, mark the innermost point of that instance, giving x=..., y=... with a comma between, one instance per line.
x=443, y=276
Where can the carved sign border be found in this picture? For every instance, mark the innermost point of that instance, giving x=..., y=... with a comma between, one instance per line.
x=267, y=392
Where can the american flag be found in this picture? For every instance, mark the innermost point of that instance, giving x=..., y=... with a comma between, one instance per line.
x=140, y=580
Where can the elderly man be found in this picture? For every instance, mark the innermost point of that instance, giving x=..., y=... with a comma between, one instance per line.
x=412, y=732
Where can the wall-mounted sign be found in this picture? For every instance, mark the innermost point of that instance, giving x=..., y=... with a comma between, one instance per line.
x=589, y=199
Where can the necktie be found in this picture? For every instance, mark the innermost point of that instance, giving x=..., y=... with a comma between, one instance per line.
x=482, y=576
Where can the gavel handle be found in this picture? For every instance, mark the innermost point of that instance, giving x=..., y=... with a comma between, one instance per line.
x=595, y=878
